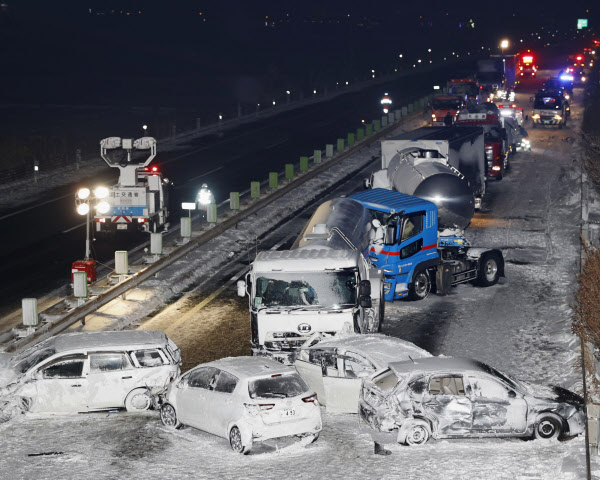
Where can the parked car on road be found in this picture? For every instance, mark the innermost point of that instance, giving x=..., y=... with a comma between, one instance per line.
x=86, y=371
x=243, y=399
x=444, y=397
x=335, y=367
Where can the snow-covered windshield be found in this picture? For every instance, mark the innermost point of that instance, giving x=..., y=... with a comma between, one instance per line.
x=446, y=104
x=323, y=289
x=277, y=386
x=510, y=381
x=32, y=358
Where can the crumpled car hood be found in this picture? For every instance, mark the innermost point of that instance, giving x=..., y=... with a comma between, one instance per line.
x=553, y=393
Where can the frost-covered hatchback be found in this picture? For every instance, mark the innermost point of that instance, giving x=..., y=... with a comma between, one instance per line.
x=87, y=371
x=243, y=399
x=335, y=367
x=454, y=397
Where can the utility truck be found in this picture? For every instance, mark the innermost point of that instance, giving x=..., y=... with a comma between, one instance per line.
x=139, y=201
x=321, y=284
x=418, y=253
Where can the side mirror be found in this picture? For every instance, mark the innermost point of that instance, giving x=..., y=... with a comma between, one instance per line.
x=241, y=288
x=365, y=301
x=512, y=394
x=390, y=233
x=367, y=183
x=364, y=288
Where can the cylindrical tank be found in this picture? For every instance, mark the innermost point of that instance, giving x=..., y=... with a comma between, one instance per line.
x=350, y=217
x=420, y=173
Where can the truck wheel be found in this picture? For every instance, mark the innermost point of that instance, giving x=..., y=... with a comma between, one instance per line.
x=420, y=286
x=489, y=270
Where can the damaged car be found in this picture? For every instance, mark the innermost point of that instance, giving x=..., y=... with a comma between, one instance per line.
x=334, y=367
x=88, y=371
x=245, y=400
x=444, y=397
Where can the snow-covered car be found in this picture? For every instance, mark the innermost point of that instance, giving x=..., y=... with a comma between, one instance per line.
x=245, y=400
x=444, y=397
x=87, y=371
x=335, y=367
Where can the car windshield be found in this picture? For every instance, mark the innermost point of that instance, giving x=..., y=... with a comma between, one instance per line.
x=277, y=386
x=510, y=381
x=446, y=104
x=306, y=289
x=547, y=101
x=31, y=358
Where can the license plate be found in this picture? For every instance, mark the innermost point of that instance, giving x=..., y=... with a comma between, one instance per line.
x=288, y=412
x=121, y=227
x=546, y=122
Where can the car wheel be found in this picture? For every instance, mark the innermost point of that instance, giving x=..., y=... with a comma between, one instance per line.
x=418, y=434
x=138, y=400
x=489, y=270
x=235, y=440
x=168, y=416
x=547, y=427
x=420, y=286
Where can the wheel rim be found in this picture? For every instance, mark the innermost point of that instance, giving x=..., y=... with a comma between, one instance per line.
x=168, y=416
x=547, y=428
x=235, y=439
x=421, y=284
x=140, y=401
x=417, y=435
x=491, y=268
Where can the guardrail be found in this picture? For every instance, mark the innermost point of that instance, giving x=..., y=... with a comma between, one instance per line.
x=321, y=161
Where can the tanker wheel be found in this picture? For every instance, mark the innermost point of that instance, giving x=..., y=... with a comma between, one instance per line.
x=420, y=287
x=489, y=270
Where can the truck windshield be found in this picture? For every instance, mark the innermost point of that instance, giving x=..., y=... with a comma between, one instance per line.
x=547, y=102
x=464, y=89
x=446, y=104
x=307, y=289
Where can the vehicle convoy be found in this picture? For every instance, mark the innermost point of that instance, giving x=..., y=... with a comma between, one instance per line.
x=335, y=367
x=442, y=164
x=467, y=88
x=88, y=371
x=322, y=284
x=550, y=108
x=444, y=105
x=139, y=201
x=445, y=397
x=417, y=251
x=245, y=400
x=498, y=143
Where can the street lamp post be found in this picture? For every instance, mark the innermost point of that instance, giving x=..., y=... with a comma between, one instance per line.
x=503, y=45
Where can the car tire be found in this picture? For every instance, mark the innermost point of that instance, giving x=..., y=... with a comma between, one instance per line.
x=489, y=270
x=420, y=286
x=418, y=433
x=168, y=417
x=138, y=400
x=235, y=441
x=547, y=427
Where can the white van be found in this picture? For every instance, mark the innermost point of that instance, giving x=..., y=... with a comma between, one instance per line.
x=87, y=371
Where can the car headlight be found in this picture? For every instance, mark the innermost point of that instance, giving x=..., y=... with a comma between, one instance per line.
x=535, y=115
x=557, y=117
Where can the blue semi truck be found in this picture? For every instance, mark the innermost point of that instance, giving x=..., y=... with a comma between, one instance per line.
x=415, y=255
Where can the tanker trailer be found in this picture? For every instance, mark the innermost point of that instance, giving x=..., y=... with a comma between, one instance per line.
x=322, y=284
x=445, y=165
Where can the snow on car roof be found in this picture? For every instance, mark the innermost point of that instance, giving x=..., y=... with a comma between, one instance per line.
x=436, y=364
x=87, y=340
x=250, y=366
x=380, y=349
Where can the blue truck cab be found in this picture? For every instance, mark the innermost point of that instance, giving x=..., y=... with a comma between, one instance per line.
x=414, y=255
x=410, y=237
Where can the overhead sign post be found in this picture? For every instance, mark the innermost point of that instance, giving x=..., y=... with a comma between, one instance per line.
x=582, y=23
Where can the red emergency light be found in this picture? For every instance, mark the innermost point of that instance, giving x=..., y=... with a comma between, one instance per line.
x=528, y=59
x=579, y=57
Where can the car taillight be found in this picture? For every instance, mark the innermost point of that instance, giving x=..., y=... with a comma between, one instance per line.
x=311, y=399
x=255, y=409
x=141, y=220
